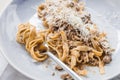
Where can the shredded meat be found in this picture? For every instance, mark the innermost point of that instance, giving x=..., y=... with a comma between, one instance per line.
x=107, y=59
x=59, y=68
x=53, y=74
x=66, y=77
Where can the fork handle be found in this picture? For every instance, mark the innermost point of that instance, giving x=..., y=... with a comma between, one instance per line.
x=65, y=67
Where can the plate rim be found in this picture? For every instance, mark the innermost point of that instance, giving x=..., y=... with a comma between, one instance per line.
x=17, y=68
x=20, y=70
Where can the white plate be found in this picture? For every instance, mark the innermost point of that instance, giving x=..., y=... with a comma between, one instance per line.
x=21, y=10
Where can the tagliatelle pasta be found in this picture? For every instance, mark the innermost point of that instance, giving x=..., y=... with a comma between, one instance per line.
x=70, y=35
x=34, y=43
